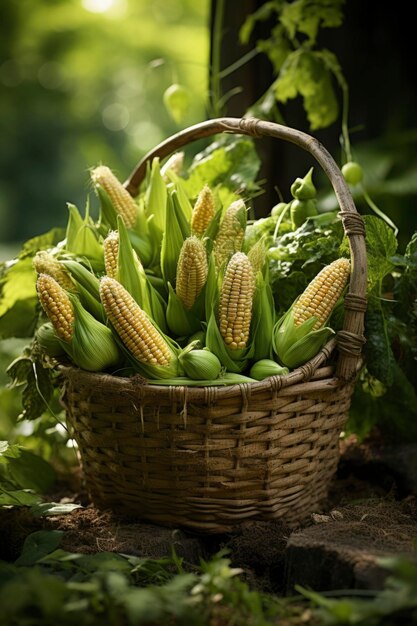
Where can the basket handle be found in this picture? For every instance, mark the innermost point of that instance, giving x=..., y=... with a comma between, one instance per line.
x=351, y=338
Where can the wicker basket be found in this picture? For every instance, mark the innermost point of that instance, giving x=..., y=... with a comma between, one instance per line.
x=209, y=458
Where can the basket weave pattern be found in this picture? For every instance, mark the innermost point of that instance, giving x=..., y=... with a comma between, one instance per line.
x=209, y=458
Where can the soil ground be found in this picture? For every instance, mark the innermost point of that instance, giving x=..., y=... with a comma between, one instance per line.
x=371, y=512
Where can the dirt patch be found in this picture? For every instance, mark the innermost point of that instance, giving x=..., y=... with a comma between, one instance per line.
x=366, y=516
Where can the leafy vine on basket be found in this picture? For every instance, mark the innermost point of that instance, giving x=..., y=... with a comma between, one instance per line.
x=178, y=286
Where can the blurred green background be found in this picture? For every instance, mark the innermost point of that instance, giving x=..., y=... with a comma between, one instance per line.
x=82, y=82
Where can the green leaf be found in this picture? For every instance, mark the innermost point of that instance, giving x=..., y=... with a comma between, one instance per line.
x=31, y=471
x=378, y=352
x=8, y=451
x=18, y=299
x=17, y=497
x=42, y=242
x=304, y=73
x=381, y=245
x=307, y=16
x=46, y=509
x=229, y=162
x=39, y=544
x=262, y=14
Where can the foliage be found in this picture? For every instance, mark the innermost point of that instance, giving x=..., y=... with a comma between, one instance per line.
x=301, y=68
x=79, y=86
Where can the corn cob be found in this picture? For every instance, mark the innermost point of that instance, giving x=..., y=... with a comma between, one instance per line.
x=121, y=199
x=192, y=271
x=174, y=164
x=111, y=253
x=322, y=293
x=46, y=263
x=57, y=306
x=236, y=300
x=203, y=211
x=132, y=324
x=231, y=232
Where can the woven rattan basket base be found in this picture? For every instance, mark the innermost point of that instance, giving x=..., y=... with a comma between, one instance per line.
x=207, y=461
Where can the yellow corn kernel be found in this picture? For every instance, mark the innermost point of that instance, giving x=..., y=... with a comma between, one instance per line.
x=236, y=300
x=231, y=232
x=322, y=293
x=132, y=324
x=45, y=263
x=121, y=199
x=57, y=306
x=192, y=271
x=203, y=211
x=111, y=253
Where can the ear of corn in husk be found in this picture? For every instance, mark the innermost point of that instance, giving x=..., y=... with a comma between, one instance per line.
x=231, y=232
x=152, y=353
x=173, y=165
x=229, y=337
x=81, y=240
x=185, y=309
x=301, y=332
x=203, y=211
x=199, y=364
x=267, y=367
x=236, y=302
x=45, y=263
x=48, y=340
x=121, y=200
x=192, y=270
x=111, y=253
x=88, y=343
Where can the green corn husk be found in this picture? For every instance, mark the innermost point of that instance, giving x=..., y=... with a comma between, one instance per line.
x=295, y=345
x=225, y=379
x=234, y=361
x=265, y=368
x=48, y=341
x=263, y=318
x=212, y=229
x=81, y=238
x=212, y=286
x=172, y=242
x=156, y=195
x=183, y=322
x=180, y=213
x=131, y=274
x=87, y=287
x=199, y=364
x=257, y=255
x=92, y=346
x=183, y=200
x=83, y=277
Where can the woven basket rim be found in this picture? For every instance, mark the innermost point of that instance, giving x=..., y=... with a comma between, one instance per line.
x=301, y=375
